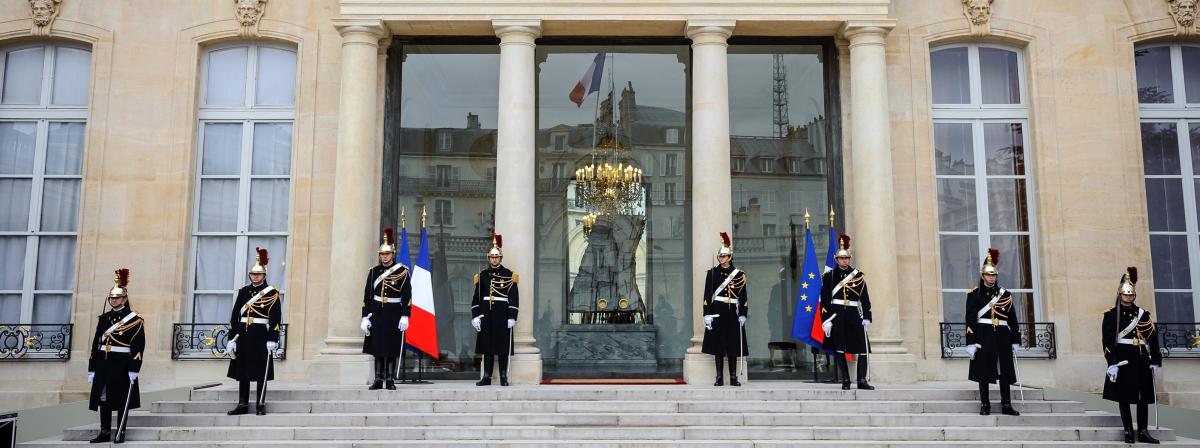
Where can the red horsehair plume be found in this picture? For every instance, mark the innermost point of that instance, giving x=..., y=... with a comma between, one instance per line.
x=387, y=237
x=995, y=254
x=498, y=240
x=262, y=256
x=725, y=239
x=1132, y=270
x=845, y=239
x=122, y=277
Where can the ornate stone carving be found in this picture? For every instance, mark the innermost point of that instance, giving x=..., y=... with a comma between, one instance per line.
x=248, y=14
x=1184, y=14
x=979, y=13
x=44, y=12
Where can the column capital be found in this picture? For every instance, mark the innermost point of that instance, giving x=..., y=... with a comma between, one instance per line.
x=709, y=31
x=523, y=31
x=364, y=31
x=866, y=31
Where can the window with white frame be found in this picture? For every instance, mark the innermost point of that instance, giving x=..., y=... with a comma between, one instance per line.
x=43, y=115
x=669, y=193
x=672, y=164
x=672, y=137
x=445, y=140
x=981, y=152
x=766, y=165
x=1168, y=80
x=243, y=172
x=443, y=212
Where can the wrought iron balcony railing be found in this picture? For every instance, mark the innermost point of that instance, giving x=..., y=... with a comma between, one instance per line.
x=1179, y=339
x=35, y=342
x=207, y=341
x=1037, y=340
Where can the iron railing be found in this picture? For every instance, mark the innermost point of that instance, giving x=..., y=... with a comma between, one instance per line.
x=35, y=342
x=1179, y=339
x=1037, y=340
x=207, y=341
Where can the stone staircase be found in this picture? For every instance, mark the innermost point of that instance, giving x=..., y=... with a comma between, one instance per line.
x=762, y=413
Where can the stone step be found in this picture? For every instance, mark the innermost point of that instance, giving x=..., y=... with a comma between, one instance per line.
x=697, y=433
x=644, y=393
x=604, y=407
x=595, y=443
x=144, y=419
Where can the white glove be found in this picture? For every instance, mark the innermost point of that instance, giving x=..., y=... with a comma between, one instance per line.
x=708, y=322
x=231, y=346
x=1112, y=373
x=866, y=324
x=477, y=323
x=971, y=350
x=742, y=320
x=91, y=376
x=1016, y=347
x=272, y=345
x=133, y=376
x=1154, y=368
x=365, y=326
x=404, y=323
x=512, y=323
x=827, y=327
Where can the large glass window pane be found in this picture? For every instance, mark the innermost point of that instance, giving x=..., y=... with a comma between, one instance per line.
x=12, y=262
x=17, y=140
x=1164, y=205
x=23, y=71
x=1160, y=148
x=60, y=205
x=51, y=309
x=10, y=308
x=222, y=149
x=56, y=263
x=72, y=74
x=956, y=205
x=276, y=247
x=1016, y=270
x=1174, y=307
x=959, y=261
x=214, y=263
x=999, y=76
x=218, y=205
x=14, y=200
x=226, y=77
x=954, y=304
x=1023, y=303
x=1008, y=205
x=1169, y=253
x=272, y=148
x=212, y=308
x=950, y=76
x=952, y=146
x=269, y=205
x=1191, y=73
x=276, y=83
x=1154, y=75
x=1004, y=147
x=64, y=148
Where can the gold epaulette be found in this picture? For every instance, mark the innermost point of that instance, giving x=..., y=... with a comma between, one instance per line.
x=516, y=279
x=476, y=279
x=973, y=289
x=1110, y=308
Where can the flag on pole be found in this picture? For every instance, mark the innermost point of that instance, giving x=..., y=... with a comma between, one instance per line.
x=590, y=82
x=403, y=256
x=422, y=328
x=808, y=300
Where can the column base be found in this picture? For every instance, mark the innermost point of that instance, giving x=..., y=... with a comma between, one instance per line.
x=343, y=345
x=698, y=368
x=341, y=369
x=525, y=368
x=891, y=363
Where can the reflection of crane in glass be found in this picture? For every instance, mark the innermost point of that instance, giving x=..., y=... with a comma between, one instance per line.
x=779, y=97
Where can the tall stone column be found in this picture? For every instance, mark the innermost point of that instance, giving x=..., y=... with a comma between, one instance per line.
x=711, y=186
x=516, y=176
x=355, y=201
x=872, y=203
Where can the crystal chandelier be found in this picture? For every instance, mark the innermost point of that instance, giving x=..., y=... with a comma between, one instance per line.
x=609, y=186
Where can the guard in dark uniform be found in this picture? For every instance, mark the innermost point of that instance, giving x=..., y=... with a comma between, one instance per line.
x=494, y=306
x=386, y=299
x=725, y=312
x=253, y=335
x=116, y=358
x=846, y=314
x=1130, y=341
x=992, y=336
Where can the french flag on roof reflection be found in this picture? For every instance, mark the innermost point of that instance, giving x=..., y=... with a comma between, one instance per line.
x=590, y=82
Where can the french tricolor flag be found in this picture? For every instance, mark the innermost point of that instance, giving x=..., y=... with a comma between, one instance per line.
x=422, y=329
x=590, y=82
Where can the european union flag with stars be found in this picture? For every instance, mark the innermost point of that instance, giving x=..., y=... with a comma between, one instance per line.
x=808, y=300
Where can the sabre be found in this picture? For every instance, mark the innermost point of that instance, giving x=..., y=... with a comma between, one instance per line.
x=262, y=394
x=508, y=365
x=399, y=366
x=741, y=354
x=1017, y=372
x=125, y=412
x=1154, y=387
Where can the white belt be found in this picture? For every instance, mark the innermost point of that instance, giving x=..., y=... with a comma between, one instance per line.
x=1002, y=323
x=112, y=349
x=1130, y=341
x=726, y=300
x=845, y=302
x=259, y=321
x=389, y=299
x=496, y=299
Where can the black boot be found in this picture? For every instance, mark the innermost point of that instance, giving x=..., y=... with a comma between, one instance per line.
x=503, y=370
x=1127, y=422
x=1143, y=434
x=105, y=426
x=1006, y=400
x=260, y=407
x=390, y=365
x=380, y=368
x=720, y=371
x=1144, y=437
x=843, y=369
x=119, y=435
x=862, y=373
x=733, y=377
x=985, y=402
x=103, y=437
x=488, y=363
x=241, y=409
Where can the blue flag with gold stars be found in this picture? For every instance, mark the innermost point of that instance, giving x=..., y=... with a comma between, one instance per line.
x=808, y=300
